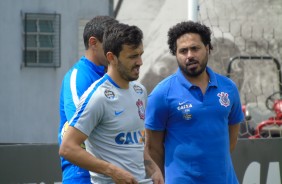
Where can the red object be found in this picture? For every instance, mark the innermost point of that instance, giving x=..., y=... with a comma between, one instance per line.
x=244, y=109
x=277, y=120
x=264, y=124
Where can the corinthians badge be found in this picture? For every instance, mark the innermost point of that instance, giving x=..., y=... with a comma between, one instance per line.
x=223, y=99
x=141, y=109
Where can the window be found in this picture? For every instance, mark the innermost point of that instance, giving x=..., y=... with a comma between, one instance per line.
x=42, y=40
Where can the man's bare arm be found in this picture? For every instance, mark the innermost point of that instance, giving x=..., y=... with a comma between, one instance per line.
x=71, y=150
x=233, y=135
x=154, y=148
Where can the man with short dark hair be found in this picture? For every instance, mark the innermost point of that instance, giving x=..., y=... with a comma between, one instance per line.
x=110, y=117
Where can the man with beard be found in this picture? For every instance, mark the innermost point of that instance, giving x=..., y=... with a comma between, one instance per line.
x=192, y=117
x=110, y=117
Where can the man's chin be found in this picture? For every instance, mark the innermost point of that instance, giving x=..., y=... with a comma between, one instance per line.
x=193, y=73
x=133, y=78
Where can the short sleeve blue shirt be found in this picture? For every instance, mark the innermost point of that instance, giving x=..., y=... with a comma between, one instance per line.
x=197, y=138
x=76, y=81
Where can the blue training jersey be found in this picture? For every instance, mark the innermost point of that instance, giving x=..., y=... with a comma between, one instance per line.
x=76, y=81
x=196, y=128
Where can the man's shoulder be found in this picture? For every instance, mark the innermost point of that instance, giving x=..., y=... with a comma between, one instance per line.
x=82, y=73
x=138, y=87
x=74, y=68
x=224, y=79
x=135, y=84
x=101, y=86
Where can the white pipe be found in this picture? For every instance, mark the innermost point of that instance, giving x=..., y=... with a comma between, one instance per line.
x=193, y=10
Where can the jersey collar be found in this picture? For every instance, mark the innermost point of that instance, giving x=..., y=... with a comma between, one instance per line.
x=213, y=81
x=185, y=82
x=111, y=80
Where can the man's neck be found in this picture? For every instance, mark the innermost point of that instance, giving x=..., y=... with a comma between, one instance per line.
x=201, y=81
x=124, y=84
x=92, y=57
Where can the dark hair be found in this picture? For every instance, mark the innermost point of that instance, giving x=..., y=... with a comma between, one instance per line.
x=188, y=27
x=96, y=27
x=121, y=34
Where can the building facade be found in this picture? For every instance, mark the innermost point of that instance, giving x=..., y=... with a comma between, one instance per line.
x=40, y=41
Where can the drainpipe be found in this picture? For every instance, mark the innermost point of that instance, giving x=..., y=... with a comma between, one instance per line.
x=193, y=9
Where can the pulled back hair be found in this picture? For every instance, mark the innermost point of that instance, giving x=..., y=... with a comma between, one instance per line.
x=121, y=34
x=188, y=27
x=96, y=27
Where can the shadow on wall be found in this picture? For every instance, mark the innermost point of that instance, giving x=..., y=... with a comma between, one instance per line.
x=166, y=65
x=223, y=50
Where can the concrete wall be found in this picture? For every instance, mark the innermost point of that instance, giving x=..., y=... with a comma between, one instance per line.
x=239, y=27
x=40, y=163
x=29, y=97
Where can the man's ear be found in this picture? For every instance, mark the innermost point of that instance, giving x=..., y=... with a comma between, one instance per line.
x=92, y=41
x=207, y=48
x=111, y=58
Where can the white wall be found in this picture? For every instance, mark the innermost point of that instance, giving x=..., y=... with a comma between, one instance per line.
x=29, y=97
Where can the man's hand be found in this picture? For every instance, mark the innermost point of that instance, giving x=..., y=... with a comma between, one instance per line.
x=121, y=176
x=157, y=177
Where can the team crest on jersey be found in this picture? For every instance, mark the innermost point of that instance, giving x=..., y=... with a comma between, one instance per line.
x=223, y=99
x=141, y=109
x=138, y=89
x=109, y=94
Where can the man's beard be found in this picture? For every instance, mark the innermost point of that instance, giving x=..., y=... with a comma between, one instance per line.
x=125, y=73
x=194, y=72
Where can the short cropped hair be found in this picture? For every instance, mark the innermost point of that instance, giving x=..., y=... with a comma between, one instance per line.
x=188, y=27
x=96, y=27
x=121, y=34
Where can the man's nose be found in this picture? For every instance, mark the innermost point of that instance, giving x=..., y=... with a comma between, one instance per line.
x=140, y=61
x=190, y=54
